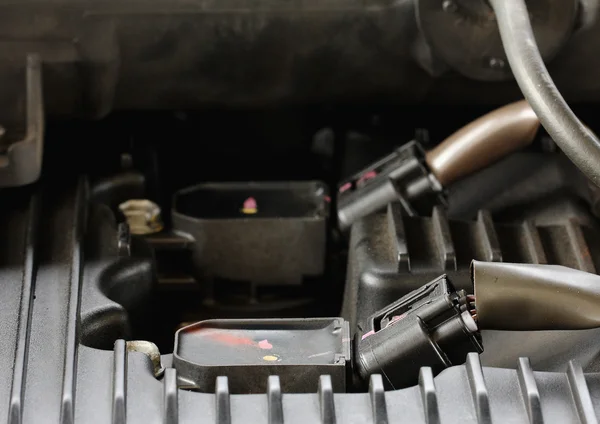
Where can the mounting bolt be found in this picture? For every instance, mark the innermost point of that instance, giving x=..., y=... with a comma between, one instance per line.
x=496, y=63
x=449, y=6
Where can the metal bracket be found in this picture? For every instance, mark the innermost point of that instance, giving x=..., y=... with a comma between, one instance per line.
x=21, y=164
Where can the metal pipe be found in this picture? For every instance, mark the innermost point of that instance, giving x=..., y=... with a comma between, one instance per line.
x=483, y=142
x=574, y=139
x=532, y=297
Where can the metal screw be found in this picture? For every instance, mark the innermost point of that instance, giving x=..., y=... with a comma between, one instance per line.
x=496, y=63
x=123, y=239
x=449, y=6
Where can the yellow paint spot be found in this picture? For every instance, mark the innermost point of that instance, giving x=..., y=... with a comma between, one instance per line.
x=271, y=358
x=249, y=211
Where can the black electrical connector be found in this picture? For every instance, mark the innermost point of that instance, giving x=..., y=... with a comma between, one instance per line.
x=401, y=176
x=433, y=326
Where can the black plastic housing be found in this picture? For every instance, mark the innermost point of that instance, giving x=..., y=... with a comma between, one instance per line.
x=263, y=233
x=401, y=176
x=248, y=351
x=53, y=280
x=392, y=254
x=431, y=326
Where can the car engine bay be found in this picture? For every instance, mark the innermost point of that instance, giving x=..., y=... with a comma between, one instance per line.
x=300, y=212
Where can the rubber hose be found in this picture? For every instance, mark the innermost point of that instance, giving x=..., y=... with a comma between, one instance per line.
x=483, y=142
x=573, y=138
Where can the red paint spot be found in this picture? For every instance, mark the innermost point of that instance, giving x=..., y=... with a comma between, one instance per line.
x=345, y=187
x=264, y=344
x=250, y=203
x=230, y=339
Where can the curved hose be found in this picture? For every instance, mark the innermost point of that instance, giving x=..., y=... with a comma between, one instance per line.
x=483, y=142
x=574, y=139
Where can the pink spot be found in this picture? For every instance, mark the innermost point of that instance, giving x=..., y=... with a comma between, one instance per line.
x=345, y=187
x=397, y=318
x=367, y=176
x=370, y=333
x=250, y=203
x=327, y=199
x=264, y=344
